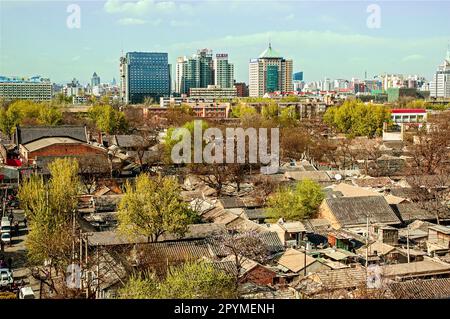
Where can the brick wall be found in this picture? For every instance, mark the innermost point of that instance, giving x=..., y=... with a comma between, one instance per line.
x=259, y=275
x=65, y=150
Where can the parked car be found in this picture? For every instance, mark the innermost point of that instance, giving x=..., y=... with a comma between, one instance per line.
x=26, y=293
x=5, y=226
x=6, y=277
x=6, y=238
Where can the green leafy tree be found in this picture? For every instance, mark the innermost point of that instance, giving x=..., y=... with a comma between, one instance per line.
x=192, y=280
x=358, y=119
x=296, y=203
x=242, y=110
x=140, y=286
x=270, y=111
x=107, y=119
x=50, y=115
x=49, y=208
x=153, y=207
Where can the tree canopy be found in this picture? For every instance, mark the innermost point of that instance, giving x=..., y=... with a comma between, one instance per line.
x=295, y=203
x=192, y=280
x=49, y=207
x=107, y=119
x=28, y=113
x=153, y=207
x=358, y=119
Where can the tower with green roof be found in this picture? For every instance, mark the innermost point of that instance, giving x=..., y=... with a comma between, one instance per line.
x=270, y=72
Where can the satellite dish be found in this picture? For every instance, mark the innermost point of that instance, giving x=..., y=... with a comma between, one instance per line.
x=338, y=177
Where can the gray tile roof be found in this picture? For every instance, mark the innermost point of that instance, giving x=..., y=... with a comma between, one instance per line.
x=27, y=134
x=421, y=289
x=355, y=210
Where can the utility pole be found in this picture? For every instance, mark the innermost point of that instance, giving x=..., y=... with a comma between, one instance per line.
x=367, y=242
x=407, y=242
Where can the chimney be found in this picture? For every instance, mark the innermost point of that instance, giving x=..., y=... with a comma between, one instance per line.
x=100, y=138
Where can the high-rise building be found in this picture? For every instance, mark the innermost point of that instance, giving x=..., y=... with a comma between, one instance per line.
x=95, y=80
x=268, y=73
x=35, y=88
x=298, y=76
x=440, y=84
x=144, y=74
x=223, y=71
x=201, y=70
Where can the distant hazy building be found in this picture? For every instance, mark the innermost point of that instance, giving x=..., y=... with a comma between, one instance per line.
x=212, y=92
x=298, y=76
x=35, y=88
x=144, y=74
x=268, y=73
x=440, y=85
x=95, y=80
x=73, y=88
x=223, y=71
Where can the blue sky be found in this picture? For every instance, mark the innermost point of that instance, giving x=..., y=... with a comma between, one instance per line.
x=324, y=38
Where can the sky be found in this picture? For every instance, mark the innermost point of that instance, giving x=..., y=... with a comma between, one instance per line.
x=335, y=39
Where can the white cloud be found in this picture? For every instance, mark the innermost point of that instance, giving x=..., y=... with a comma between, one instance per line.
x=413, y=57
x=180, y=23
x=131, y=21
x=140, y=7
x=76, y=58
x=290, y=17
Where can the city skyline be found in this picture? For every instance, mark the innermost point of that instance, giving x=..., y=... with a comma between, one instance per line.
x=324, y=39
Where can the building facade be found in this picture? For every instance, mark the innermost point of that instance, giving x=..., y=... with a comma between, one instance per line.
x=223, y=71
x=440, y=85
x=35, y=89
x=212, y=92
x=144, y=74
x=241, y=89
x=201, y=70
x=269, y=73
x=95, y=80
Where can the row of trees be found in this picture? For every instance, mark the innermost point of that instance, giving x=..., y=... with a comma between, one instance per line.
x=25, y=112
x=355, y=118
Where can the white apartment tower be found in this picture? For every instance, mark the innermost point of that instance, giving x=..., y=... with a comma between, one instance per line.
x=270, y=72
x=223, y=71
x=179, y=74
x=440, y=84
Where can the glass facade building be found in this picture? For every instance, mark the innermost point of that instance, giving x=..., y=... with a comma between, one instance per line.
x=145, y=74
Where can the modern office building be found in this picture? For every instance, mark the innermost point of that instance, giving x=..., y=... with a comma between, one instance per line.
x=440, y=84
x=201, y=70
x=34, y=88
x=268, y=73
x=223, y=71
x=95, y=80
x=212, y=92
x=298, y=76
x=144, y=74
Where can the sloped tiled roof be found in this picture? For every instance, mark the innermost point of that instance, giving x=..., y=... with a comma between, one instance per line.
x=294, y=260
x=27, y=134
x=438, y=288
x=354, y=210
